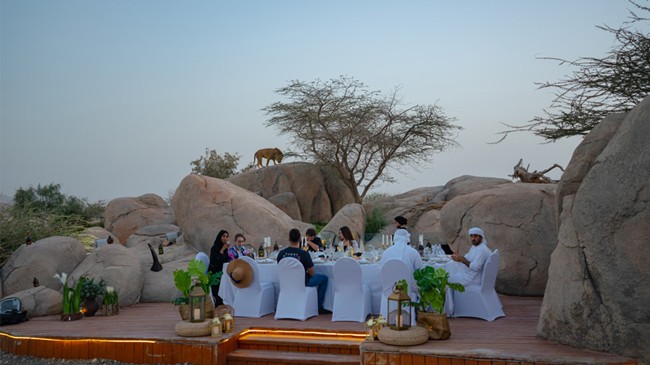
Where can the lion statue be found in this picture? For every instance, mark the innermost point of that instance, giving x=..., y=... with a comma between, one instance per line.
x=269, y=154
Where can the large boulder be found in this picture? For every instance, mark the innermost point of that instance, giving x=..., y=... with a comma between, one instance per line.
x=468, y=184
x=319, y=192
x=100, y=233
x=124, y=216
x=40, y=301
x=42, y=260
x=119, y=267
x=205, y=205
x=597, y=294
x=351, y=215
x=519, y=220
x=159, y=286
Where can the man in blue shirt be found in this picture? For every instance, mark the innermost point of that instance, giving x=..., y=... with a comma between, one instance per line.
x=311, y=278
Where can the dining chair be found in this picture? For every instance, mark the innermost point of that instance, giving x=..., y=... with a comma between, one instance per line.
x=481, y=301
x=392, y=271
x=296, y=301
x=351, y=296
x=202, y=256
x=258, y=298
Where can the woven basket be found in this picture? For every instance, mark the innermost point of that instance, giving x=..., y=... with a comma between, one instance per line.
x=413, y=336
x=184, y=310
x=193, y=329
x=436, y=324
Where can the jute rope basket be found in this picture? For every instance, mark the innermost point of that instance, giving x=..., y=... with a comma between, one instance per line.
x=193, y=329
x=413, y=336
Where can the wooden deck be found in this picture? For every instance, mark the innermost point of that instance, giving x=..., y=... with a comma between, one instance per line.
x=144, y=334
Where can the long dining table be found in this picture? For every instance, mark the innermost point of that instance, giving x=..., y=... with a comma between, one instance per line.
x=269, y=272
x=370, y=272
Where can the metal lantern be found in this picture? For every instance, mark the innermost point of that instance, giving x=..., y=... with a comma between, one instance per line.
x=399, y=309
x=197, y=304
x=228, y=323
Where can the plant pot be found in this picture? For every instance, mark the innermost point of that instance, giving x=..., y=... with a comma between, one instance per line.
x=91, y=306
x=107, y=310
x=436, y=324
x=209, y=308
x=116, y=308
x=184, y=310
x=71, y=316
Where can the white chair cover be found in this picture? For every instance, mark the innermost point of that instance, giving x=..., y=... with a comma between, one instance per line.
x=351, y=296
x=206, y=260
x=392, y=271
x=256, y=300
x=481, y=301
x=296, y=300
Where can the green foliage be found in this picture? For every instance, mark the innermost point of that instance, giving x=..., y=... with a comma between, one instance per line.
x=90, y=289
x=110, y=296
x=375, y=222
x=214, y=165
x=374, y=196
x=195, y=273
x=44, y=212
x=71, y=294
x=432, y=285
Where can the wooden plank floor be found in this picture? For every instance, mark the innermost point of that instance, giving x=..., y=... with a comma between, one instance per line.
x=511, y=339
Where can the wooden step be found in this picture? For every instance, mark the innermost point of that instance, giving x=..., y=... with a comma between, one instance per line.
x=287, y=343
x=248, y=357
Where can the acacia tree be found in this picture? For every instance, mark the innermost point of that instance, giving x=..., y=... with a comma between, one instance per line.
x=599, y=86
x=358, y=132
x=215, y=165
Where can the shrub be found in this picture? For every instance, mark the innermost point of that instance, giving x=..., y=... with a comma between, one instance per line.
x=375, y=222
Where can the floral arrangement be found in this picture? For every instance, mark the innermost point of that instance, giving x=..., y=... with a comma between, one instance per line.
x=71, y=294
x=374, y=325
x=110, y=296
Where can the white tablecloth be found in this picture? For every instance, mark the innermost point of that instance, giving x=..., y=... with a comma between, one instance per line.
x=269, y=272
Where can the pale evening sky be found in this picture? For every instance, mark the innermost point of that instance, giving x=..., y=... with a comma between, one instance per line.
x=116, y=98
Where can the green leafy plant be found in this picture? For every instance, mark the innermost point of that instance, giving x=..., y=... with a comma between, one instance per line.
x=432, y=285
x=90, y=289
x=71, y=294
x=195, y=274
x=375, y=221
x=110, y=296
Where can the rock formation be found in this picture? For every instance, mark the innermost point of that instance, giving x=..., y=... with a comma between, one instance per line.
x=123, y=216
x=42, y=259
x=319, y=193
x=205, y=205
x=597, y=294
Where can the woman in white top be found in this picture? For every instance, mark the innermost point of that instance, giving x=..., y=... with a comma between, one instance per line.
x=346, y=240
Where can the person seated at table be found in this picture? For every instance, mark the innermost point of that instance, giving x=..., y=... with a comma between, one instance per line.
x=402, y=250
x=346, y=240
x=238, y=250
x=218, y=257
x=400, y=222
x=314, y=244
x=311, y=277
x=469, y=273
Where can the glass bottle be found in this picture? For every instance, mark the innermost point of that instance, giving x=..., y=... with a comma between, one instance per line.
x=260, y=251
x=161, y=250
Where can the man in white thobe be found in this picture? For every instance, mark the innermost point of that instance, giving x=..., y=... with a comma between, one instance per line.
x=402, y=250
x=470, y=267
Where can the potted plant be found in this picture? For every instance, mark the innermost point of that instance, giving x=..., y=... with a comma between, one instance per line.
x=110, y=302
x=186, y=279
x=71, y=298
x=432, y=286
x=90, y=290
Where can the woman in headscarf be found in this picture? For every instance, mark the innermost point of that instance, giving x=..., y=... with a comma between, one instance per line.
x=218, y=257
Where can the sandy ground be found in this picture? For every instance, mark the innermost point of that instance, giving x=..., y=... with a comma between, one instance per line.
x=11, y=359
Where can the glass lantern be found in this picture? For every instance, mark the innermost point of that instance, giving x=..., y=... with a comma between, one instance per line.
x=197, y=304
x=228, y=323
x=399, y=309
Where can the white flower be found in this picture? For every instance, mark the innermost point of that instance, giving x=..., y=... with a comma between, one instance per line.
x=63, y=278
x=110, y=289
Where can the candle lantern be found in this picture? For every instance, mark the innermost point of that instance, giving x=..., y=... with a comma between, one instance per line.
x=399, y=309
x=197, y=304
x=216, y=327
x=228, y=323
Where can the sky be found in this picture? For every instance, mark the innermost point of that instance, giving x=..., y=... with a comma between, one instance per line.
x=116, y=98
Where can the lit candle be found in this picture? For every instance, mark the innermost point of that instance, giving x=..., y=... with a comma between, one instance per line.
x=383, y=240
x=421, y=238
x=399, y=321
x=197, y=313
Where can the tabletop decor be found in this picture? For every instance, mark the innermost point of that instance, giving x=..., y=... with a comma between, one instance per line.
x=183, y=279
x=399, y=307
x=197, y=304
x=374, y=325
x=71, y=298
x=432, y=285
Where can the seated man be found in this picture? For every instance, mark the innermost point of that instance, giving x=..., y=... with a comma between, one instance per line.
x=468, y=272
x=311, y=278
x=314, y=243
x=401, y=250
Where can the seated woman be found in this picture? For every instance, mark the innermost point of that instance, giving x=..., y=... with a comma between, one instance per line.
x=218, y=257
x=238, y=250
x=347, y=241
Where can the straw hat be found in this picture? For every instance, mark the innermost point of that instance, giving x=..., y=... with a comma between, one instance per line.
x=240, y=273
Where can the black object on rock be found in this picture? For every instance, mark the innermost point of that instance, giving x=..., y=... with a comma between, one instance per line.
x=156, y=266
